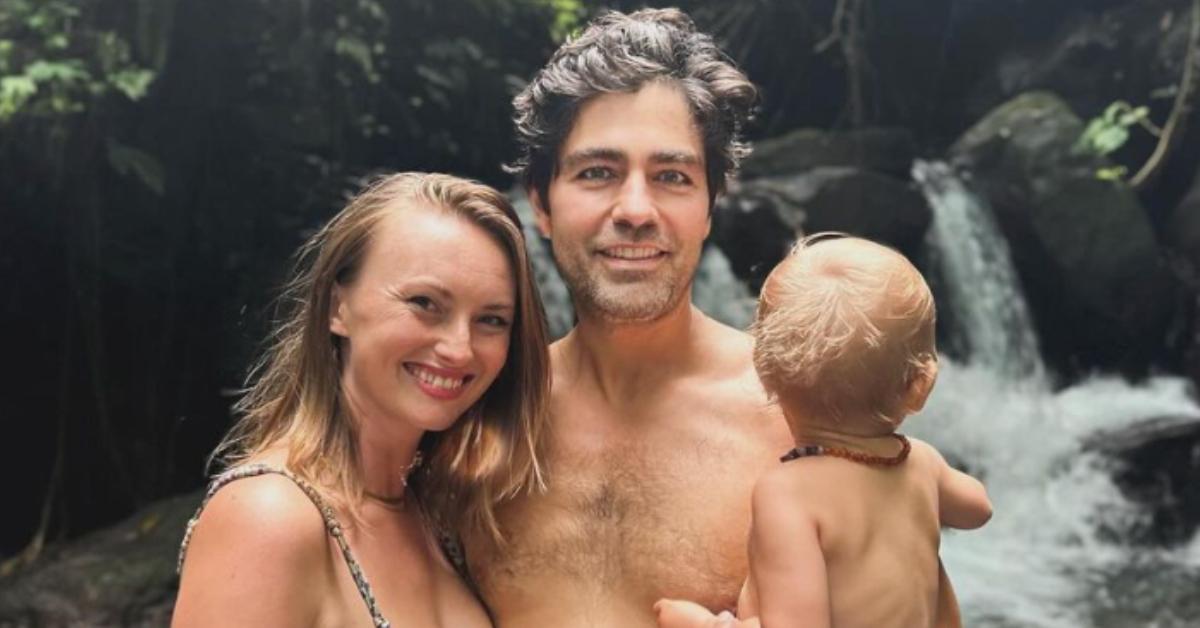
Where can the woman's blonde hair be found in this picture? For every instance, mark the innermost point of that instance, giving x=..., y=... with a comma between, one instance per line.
x=293, y=398
x=843, y=327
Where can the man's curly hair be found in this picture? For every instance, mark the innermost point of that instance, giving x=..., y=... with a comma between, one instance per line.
x=619, y=53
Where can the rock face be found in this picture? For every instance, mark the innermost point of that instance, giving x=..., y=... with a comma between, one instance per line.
x=886, y=150
x=1182, y=239
x=758, y=220
x=119, y=576
x=1160, y=460
x=1182, y=234
x=1084, y=248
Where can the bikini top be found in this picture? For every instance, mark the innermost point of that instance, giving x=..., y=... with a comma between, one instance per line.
x=331, y=524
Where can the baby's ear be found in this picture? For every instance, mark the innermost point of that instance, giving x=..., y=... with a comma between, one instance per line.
x=920, y=384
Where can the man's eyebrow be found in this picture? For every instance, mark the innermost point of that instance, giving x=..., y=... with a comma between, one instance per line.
x=599, y=153
x=681, y=157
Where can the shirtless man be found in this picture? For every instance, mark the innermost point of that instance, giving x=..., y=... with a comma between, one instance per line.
x=659, y=425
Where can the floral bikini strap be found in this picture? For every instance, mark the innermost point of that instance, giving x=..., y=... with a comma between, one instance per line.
x=331, y=524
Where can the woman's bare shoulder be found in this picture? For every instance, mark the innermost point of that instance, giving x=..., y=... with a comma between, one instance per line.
x=258, y=547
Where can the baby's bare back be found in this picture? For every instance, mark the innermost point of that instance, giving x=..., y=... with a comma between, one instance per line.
x=878, y=533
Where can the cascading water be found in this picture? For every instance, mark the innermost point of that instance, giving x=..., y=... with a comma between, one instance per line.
x=992, y=317
x=1045, y=559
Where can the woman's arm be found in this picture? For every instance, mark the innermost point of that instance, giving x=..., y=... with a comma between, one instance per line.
x=257, y=557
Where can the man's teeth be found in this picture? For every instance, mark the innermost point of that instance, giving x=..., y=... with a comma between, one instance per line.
x=626, y=252
x=445, y=383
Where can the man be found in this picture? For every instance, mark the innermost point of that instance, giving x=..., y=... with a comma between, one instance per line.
x=659, y=425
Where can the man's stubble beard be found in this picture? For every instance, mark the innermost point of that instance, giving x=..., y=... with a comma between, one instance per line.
x=626, y=297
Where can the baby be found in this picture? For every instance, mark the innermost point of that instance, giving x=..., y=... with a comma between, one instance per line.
x=846, y=531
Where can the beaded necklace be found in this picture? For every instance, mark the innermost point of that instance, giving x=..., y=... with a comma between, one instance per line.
x=398, y=500
x=839, y=452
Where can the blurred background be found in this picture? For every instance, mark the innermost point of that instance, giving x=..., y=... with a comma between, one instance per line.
x=160, y=160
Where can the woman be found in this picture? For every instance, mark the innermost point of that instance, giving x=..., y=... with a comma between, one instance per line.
x=415, y=334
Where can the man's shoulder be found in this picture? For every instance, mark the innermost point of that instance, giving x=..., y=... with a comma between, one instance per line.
x=726, y=350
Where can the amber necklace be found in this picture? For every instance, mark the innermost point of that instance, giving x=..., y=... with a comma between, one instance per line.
x=839, y=452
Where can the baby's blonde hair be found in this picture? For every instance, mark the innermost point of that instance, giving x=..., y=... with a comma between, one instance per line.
x=844, y=326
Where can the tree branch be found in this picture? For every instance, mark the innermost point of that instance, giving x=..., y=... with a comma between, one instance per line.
x=1173, y=130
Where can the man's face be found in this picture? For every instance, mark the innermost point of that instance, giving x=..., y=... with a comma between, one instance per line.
x=627, y=213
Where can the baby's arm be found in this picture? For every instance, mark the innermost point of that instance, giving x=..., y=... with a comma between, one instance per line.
x=962, y=500
x=786, y=562
x=685, y=614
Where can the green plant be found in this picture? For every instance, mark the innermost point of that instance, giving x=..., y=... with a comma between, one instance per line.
x=54, y=63
x=1108, y=132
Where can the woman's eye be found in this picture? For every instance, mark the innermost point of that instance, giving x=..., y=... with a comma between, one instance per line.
x=422, y=303
x=492, y=320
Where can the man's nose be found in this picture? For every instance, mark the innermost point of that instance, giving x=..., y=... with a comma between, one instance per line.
x=453, y=348
x=635, y=207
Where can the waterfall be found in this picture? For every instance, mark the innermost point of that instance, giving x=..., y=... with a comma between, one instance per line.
x=1051, y=556
x=981, y=286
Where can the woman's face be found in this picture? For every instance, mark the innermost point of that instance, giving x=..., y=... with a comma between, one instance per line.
x=426, y=321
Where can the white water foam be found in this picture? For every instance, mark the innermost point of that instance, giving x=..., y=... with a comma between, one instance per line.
x=1030, y=565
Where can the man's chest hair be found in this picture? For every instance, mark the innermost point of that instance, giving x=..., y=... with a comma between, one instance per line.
x=671, y=519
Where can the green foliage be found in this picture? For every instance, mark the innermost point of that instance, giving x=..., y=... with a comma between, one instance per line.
x=127, y=160
x=568, y=18
x=55, y=62
x=1108, y=132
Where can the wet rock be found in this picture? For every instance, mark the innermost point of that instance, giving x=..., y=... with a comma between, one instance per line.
x=1182, y=234
x=1085, y=251
x=887, y=150
x=119, y=576
x=1160, y=459
x=755, y=224
x=753, y=227
x=1181, y=237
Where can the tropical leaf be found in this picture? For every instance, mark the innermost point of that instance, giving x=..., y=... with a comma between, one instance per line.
x=130, y=161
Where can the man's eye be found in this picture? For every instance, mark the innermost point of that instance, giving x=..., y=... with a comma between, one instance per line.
x=674, y=177
x=595, y=173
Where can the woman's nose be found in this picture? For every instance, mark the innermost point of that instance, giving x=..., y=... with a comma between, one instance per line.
x=454, y=345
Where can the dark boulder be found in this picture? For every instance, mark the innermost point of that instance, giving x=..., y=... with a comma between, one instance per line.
x=1182, y=234
x=758, y=220
x=887, y=150
x=1182, y=239
x=119, y=576
x=753, y=228
x=1159, y=462
x=1099, y=287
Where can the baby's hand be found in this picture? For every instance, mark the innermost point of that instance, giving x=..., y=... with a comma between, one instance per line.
x=685, y=614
